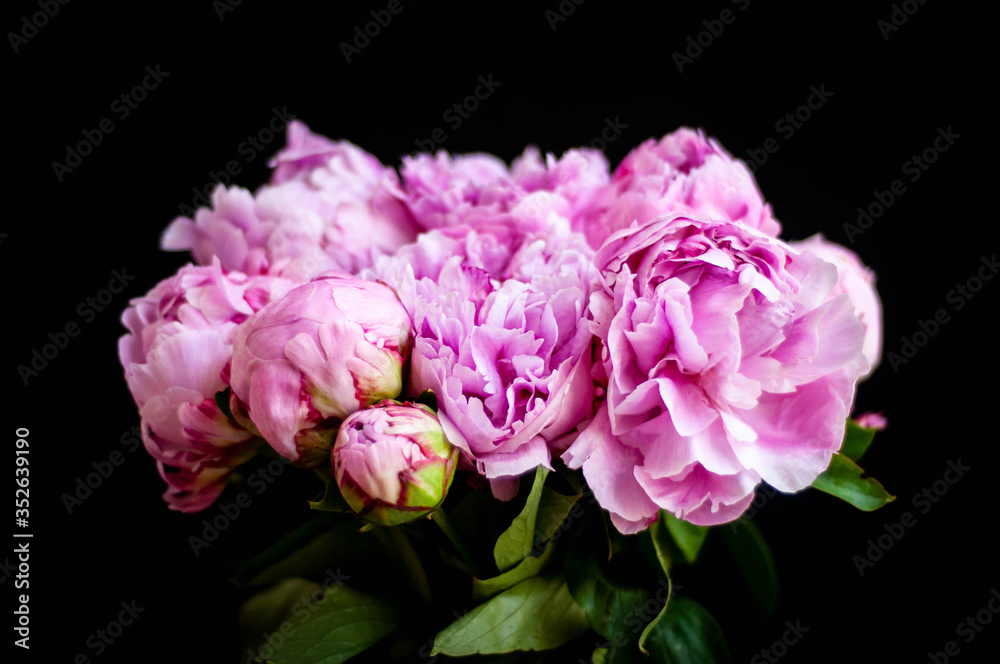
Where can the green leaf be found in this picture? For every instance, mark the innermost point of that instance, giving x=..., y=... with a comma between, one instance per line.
x=688, y=536
x=613, y=610
x=516, y=543
x=265, y=611
x=311, y=551
x=331, y=500
x=339, y=626
x=754, y=559
x=553, y=509
x=485, y=588
x=572, y=478
x=284, y=547
x=845, y=480
x=477, y=518
x=537, y=614
x=856, y=440
x=686, y=634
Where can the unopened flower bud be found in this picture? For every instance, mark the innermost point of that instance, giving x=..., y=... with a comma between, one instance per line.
x=393, y=463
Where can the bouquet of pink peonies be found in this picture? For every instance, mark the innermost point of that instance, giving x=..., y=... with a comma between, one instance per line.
x=519, y=397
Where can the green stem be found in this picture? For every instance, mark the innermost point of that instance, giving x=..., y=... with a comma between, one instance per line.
x=324, y=474
x=395, y=540
x=438, y=517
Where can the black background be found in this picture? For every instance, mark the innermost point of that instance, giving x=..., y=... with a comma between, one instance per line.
x=558, y=87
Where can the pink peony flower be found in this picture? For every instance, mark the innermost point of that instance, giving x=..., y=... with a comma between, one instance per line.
x=727, y=364
x=469, y=189
x=393, y=463
x=500, y=338
x=578, y=178
x=330, y=206
x=449, y=191
x=682, y=173
x=175, y=358
x=304, y=363
x=858, y=282
x=306, y=152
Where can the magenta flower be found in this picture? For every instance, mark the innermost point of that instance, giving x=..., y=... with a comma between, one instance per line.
x=577, y=179
x=449, y=191
x=727, y=364
x=858, y=282
x=393, y=463
x=306, y=152
x=471, y=189
x=175, y=358
x=501, y=339
x=682, y=173
x=331, y=206
x=304, y=363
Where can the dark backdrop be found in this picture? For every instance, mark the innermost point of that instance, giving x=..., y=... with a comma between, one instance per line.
x=224, y=71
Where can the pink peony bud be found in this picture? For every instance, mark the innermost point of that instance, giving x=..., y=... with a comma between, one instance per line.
x=393, y=463
x=872, y=420
x=304, y=363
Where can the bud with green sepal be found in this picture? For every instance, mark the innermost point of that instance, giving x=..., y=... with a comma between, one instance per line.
x=393, y=463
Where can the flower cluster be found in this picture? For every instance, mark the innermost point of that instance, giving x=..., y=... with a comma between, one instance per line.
x=646, y=325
